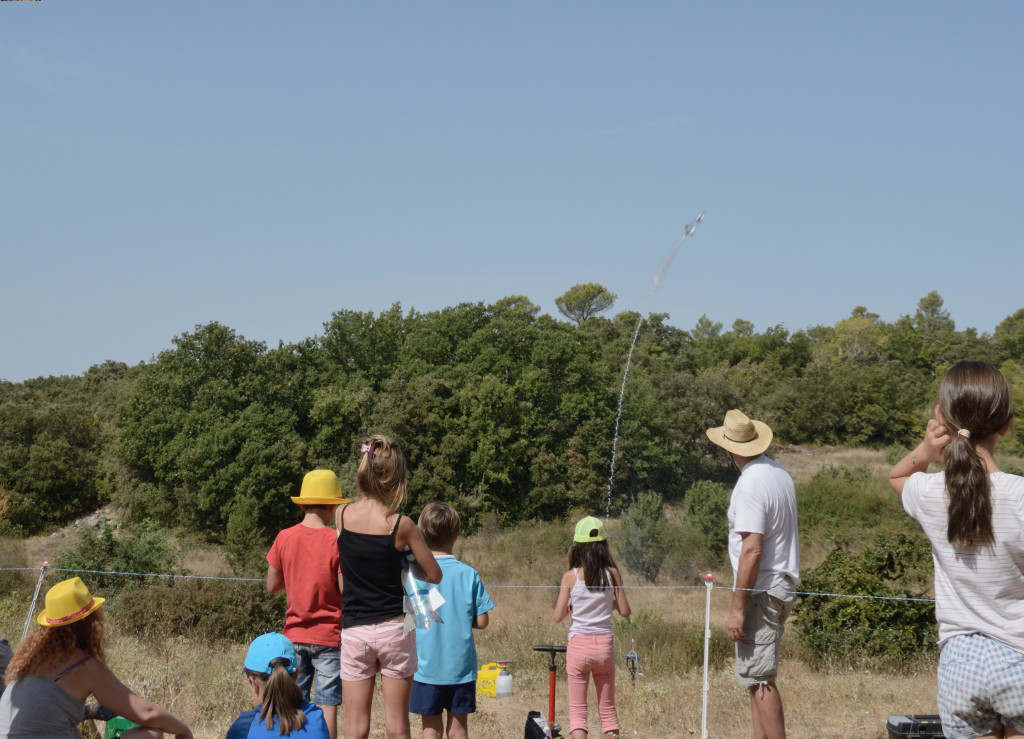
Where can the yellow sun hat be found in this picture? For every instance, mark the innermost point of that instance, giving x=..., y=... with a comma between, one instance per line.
x=67, y=602
x=320, y=487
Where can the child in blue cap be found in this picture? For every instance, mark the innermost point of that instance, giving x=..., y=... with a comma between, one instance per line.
x=281, y=710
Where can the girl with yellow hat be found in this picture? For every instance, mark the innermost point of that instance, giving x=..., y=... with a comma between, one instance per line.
x=60, y=664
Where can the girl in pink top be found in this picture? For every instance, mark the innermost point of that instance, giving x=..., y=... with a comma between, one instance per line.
x=591, y=589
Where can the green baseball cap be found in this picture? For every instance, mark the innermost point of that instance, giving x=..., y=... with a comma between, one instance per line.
x=589, y=529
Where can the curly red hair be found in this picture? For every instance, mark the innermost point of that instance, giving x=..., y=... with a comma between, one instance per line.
x=51, y=645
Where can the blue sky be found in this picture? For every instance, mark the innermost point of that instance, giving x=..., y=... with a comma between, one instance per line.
x=264, y=164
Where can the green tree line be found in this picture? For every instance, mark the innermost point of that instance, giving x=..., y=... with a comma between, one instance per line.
x=504, y=412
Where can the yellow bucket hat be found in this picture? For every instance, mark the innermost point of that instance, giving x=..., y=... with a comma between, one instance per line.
x=67, y=602
x=320, y=487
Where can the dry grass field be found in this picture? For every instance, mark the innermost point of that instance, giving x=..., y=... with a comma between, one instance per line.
x=200, y=682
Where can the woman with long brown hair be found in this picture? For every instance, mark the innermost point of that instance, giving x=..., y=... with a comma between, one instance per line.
x=60, y=664
x=974, y=516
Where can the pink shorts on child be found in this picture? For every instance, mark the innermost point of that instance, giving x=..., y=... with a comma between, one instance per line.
x=381, y=647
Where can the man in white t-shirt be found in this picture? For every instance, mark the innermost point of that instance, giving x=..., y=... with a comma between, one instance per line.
x=765, y=552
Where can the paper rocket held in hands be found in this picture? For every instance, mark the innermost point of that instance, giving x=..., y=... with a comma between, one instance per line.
x=422, y=600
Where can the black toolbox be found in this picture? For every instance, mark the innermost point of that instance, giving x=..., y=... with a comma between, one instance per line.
x=921, y=726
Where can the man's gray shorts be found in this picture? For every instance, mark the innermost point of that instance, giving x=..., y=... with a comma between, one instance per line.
x=757, y=655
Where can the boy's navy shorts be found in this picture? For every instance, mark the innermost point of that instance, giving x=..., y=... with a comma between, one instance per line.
x=432, y=700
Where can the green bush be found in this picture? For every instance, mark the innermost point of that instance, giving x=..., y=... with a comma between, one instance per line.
x=707, y=508
x=200, y=609
x=895, y=453
x=1011, y=469
x=144, y=548
x=244, y=546
x=688, y=556
x=837, y=503
x=872, y=632
x=643, y=536
x=14, y=577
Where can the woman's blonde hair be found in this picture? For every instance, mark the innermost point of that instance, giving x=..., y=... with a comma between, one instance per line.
x=975, y=402
x=50, y=645
x=381, y=474
x=281, y=697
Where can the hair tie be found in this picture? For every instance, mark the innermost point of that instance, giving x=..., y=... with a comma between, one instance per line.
x=368, y=449
x=964, y=433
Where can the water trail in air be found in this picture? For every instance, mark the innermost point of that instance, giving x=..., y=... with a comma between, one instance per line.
x=689, y=231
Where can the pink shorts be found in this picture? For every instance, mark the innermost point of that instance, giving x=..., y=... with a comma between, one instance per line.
x=381, y=647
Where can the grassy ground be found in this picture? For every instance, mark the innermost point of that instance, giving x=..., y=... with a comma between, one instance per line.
x=200, y=682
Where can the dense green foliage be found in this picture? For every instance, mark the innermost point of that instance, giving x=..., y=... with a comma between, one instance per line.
x=135, y=549
x=851, y=631
x=707, y=504
x=503, y=412
x=839, y=505
x=202, y=610
x=581, y=302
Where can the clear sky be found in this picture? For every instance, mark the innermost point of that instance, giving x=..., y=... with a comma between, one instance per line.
x=265, y=164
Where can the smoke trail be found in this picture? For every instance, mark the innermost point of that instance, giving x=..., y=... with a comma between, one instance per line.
x=689, y=231
x=690, y=228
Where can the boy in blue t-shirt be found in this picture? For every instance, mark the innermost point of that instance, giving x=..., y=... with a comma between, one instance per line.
x=446, y=678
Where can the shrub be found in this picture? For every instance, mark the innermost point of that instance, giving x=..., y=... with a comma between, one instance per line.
x=14, y=577
x=243, y=545
x=1011, y=469
x=643, y=536
x=707, y=508
x=688, y=556
x=895, y=453
x=139, y=549
x=872, y=631
x=836, y=504
x=200, y=609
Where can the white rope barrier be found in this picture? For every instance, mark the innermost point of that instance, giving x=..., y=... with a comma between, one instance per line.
x=729, y=588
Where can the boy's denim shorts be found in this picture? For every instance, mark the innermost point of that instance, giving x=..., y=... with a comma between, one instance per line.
x=981, y=686
x=432, y=700
x=325, y=663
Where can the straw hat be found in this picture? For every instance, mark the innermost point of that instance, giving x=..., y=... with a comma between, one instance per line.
x=67, y=602
x=741, y=436
x=589, y=529
x=320, y=487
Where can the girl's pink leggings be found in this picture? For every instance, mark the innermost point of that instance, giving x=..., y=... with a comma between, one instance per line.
x=591, y=655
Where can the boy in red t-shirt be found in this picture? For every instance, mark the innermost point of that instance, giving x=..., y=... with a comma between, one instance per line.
x=304, y=561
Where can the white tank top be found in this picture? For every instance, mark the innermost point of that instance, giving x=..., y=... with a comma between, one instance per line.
x=591, y=609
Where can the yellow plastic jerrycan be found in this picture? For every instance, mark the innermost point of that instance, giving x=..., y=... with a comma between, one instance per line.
x=487, y=679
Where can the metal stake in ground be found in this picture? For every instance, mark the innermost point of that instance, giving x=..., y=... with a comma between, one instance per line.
x=709, y=583
x=35, y=597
